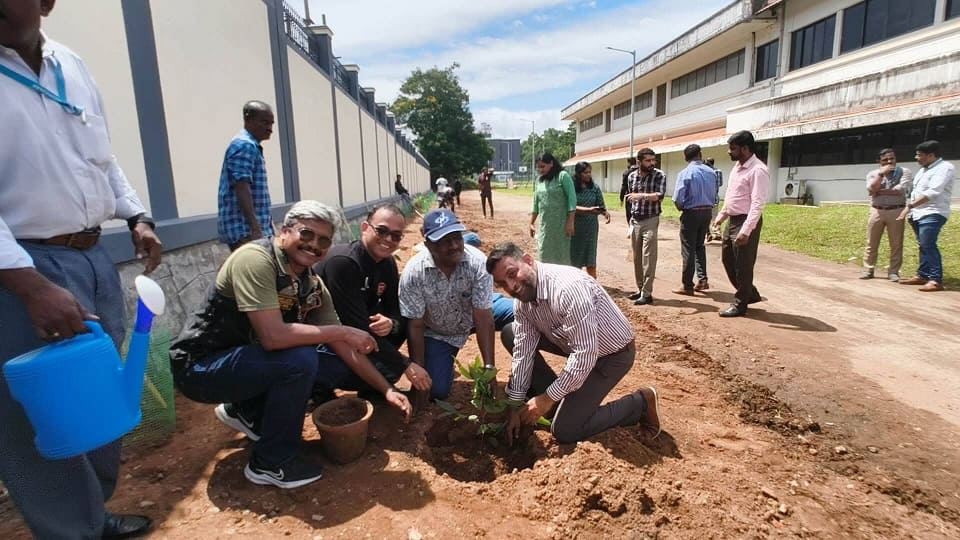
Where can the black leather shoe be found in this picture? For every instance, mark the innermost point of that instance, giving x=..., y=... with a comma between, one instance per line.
x=125, y=526
x=734, y=310
x=635, y=296
x=643, y=301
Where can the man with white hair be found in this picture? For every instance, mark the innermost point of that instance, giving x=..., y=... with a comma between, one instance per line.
x=265, y=337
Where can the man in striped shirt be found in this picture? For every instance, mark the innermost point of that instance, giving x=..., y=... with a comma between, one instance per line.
x=564, y=311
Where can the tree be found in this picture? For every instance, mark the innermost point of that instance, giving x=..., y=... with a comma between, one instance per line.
x=436, y=108
x=559, y=143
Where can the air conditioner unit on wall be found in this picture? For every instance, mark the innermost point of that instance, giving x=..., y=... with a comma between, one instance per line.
x=795, y=189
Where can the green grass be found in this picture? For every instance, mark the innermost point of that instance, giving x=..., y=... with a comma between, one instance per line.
x=835, y=233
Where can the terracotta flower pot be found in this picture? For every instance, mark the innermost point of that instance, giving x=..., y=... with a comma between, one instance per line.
x=342, y=424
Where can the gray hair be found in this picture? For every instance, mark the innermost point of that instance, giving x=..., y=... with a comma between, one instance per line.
x=312, y=210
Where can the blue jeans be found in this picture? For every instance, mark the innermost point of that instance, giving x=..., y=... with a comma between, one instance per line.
x=502, y=311
x=927, y=229
x=269, y=387
x=439, y=357
x=60, y=498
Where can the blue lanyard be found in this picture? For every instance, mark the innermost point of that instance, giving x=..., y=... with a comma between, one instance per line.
x=61, y=95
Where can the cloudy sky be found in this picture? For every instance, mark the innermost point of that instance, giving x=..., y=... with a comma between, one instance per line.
x=518, y=58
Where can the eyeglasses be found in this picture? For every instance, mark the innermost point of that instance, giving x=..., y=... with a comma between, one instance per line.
x=383, y=232
x=309, y=236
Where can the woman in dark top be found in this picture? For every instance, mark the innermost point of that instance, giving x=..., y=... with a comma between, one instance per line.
x=590, y=205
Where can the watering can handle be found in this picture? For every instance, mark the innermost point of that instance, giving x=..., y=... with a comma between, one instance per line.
x=95, y=328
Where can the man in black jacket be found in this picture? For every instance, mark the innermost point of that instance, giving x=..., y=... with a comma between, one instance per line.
x=363, y=281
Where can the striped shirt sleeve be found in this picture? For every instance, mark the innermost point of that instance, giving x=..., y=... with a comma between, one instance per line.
x=580, y=324
x=526, y=338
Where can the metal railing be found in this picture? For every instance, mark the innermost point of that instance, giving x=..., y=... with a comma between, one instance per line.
x=340, y=75
x=295, y=28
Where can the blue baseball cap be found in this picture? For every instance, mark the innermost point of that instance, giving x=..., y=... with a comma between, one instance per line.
x=472, y=238
x=440, y=223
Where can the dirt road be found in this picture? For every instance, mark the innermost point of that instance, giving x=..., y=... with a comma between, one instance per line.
x=830, y=412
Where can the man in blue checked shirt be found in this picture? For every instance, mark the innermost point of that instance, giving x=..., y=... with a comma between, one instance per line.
x=243, y=201
x=695, y=195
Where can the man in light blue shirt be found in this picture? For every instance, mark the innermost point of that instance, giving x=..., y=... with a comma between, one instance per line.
x=695, y=195
x=929, y=209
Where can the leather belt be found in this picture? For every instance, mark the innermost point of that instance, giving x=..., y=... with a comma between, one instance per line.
x=895, y=207
x=699, y=208
x=82, y=240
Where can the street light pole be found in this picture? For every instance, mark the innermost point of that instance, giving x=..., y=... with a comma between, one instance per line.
x=633, y=94
x=533, y=145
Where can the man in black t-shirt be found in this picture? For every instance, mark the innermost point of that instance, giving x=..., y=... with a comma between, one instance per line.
x=363, y=281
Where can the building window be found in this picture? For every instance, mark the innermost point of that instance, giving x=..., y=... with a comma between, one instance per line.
x=767, y=56
x=592, y=122
x=874, y=21
x=860, y=146
x=722, y=69
x=953, y=8
x=813, y=43
x=642, y=101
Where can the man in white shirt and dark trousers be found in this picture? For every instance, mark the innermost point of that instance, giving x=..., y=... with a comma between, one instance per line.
x=60, y=183
x=564, y=311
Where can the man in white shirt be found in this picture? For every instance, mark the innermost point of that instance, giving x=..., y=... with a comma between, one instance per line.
x=929, y=210
x=60, y=183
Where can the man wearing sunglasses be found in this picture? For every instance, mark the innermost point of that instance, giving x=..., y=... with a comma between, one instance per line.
x=446, y=292
x=267, y=338
x=364, y=282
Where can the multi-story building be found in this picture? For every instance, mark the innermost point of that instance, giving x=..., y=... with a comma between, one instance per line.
x=506, y=155
x=823, y=84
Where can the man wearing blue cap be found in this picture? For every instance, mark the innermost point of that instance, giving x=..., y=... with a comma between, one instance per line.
x=446, y=292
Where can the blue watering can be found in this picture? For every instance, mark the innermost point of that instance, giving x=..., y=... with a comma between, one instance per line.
x=77, y=393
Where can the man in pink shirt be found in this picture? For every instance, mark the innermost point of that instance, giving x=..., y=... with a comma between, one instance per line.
x=746, y=194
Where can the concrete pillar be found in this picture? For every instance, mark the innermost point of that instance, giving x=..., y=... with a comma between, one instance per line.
x=321, y=46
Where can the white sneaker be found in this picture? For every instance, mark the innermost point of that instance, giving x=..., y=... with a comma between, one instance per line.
x=229, y=415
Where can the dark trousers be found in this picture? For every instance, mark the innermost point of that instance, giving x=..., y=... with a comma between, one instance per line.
x=486, y=196
x=694, y=225
x=579, y=415
x=62, y=498
x=270, y=387
x=738, y=261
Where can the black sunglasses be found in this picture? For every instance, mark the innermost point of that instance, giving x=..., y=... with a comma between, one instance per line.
x=383, y=232
x=309, y=235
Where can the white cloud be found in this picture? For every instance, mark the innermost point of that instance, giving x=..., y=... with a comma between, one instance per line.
x=388, y=39
x=522, y=63
x=366, y=26
x=510, y=124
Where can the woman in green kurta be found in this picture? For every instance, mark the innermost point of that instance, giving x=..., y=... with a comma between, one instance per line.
x=590, y=205
x=555, y=201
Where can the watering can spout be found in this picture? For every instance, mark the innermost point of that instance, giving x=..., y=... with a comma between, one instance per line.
x=151, y=303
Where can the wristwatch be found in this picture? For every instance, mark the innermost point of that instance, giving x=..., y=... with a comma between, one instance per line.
x=141, y=218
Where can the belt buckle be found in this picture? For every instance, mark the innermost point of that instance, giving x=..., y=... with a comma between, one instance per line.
x=83, y=240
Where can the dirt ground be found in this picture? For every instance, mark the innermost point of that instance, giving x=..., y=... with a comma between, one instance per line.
x=831, y=411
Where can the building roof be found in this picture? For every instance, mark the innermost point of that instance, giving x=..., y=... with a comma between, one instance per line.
x=728, y=17
x=707, y=138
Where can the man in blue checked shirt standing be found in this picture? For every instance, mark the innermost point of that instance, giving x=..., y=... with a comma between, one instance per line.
x=243, y=202
x=695, y=195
